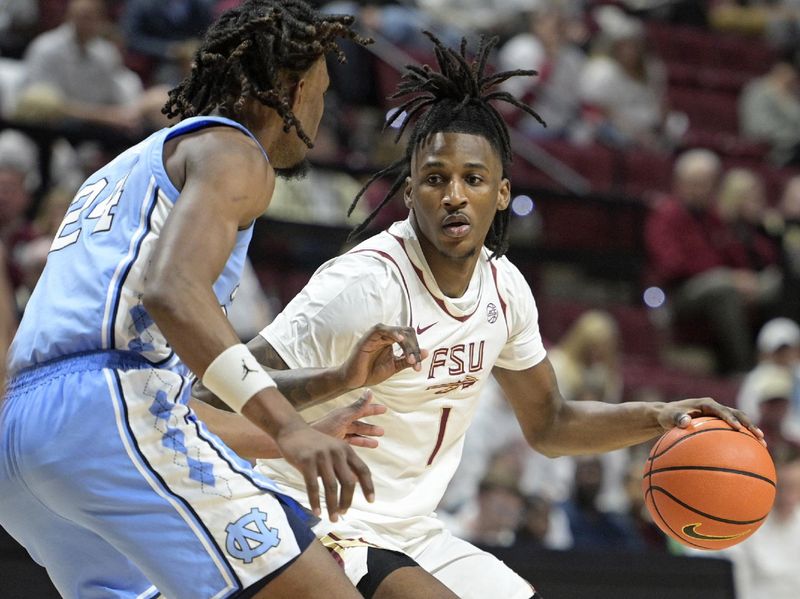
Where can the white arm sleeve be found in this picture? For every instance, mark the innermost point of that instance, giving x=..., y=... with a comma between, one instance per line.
x=524, y=348
x=341, y=302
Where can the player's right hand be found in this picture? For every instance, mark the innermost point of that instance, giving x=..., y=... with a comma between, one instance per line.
x=373, y=361
x=345, y=422
x=316, y=456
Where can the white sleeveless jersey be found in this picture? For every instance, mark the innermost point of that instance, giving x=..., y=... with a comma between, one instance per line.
x=386, y=280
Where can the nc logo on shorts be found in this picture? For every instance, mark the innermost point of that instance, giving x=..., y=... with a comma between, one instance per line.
x=249, y=537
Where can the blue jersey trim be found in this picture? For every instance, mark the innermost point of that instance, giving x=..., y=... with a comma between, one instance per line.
x=146, y=226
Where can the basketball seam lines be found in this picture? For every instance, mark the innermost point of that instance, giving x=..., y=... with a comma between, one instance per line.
x=711, y=468
x=705, y=515
x=689, y=436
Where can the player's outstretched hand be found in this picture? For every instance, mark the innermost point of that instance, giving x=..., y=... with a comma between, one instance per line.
x=344, y=423
x=680, y=414
x=373, y=360
x=316, y=456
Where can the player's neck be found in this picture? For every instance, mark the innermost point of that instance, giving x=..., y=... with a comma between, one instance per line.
x=266, y=125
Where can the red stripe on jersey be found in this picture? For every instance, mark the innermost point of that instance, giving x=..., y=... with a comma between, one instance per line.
x=402, y=278
x=440, y=438
x=421, y=276
x=503, y=304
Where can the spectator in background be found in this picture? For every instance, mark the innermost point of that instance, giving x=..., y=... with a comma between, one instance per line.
x=30, y=255
x=586, y=358
x=500, y=509
x=16, y=199
x=164, y=34
x=778, y=345
x=765, y=566
x=742, y=205
x=73, y=72
x=769, y=111
x=485, y=16
x=622, y=85
x=690, y=257
x=554, y=93
x=641, y=520
x=532, y=532
x=786, y=228
x=586, y=361
x=591, y=527
x=18, y=19
x=772, y=390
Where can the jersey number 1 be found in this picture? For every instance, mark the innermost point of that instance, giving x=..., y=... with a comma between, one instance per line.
x=440, y=436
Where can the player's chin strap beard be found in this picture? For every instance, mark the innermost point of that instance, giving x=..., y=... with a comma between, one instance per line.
x=296, y=171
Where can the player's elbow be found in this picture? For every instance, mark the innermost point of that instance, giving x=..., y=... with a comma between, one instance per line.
x=544, y=446
x=161, y=299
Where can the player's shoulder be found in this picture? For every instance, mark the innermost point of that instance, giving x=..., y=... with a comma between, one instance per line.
x=505, y=272
x=366, y=264
x=214, y=149
x=223, y=142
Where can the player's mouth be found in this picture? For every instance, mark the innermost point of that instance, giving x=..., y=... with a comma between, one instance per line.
x=456, y=225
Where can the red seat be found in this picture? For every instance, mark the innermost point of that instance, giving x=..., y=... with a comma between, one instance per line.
x=645, y=171
x=594, y=162
x=707, y=110
x=704, y=49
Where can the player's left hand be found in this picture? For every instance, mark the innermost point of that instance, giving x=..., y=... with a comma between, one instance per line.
x=345, y=423
x=373, y=360
x=680, y=414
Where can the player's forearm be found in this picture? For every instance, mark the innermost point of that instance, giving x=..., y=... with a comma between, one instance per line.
x=585, y=427
x=237, y=432
x=303, y=387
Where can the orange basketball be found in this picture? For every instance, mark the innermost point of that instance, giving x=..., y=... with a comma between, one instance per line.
x=709, y=486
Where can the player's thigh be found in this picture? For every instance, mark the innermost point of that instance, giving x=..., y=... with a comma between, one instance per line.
x=406, y=582
x=470, y=572
x=378, y=567
x=135, y=466
x=313, y=574
x=80, y=564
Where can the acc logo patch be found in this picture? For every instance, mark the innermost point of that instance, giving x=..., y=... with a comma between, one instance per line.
x=250, y=537
x=491, y=313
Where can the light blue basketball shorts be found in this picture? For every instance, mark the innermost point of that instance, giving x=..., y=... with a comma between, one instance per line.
x=112, y=484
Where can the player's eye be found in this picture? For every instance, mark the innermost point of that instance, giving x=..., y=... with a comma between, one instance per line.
x=433, y=179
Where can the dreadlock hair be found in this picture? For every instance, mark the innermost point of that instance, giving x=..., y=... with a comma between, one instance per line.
x=455, y=99
x=251, y=51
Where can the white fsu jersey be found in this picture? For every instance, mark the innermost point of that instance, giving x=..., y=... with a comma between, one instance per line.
x=386, y=280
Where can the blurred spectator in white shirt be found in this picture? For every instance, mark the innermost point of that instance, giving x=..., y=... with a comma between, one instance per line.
x=554, y=92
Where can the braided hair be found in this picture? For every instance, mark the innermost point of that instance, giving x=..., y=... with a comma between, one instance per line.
x=250, y=51
x=455, y=99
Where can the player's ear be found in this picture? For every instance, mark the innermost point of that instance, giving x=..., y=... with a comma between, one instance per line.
x=407, y=193
x=504, y=194
x=296, y=93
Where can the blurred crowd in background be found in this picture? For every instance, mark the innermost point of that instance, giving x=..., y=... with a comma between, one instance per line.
x=685, y=112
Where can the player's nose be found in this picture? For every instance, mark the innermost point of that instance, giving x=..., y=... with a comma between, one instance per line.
x=455, y=193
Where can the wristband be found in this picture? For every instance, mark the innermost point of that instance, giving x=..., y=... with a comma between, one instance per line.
x=235, y=376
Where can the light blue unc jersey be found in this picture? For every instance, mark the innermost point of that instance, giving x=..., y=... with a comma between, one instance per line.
x=89, y=296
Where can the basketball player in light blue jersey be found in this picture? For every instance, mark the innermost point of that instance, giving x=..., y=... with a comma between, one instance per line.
x=106, y=476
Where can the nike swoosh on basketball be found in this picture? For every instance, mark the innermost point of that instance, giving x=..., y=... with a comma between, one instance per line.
x=690, y=530
x=421, y=330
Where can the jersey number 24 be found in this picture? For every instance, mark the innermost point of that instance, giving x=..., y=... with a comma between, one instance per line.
x=67, y=235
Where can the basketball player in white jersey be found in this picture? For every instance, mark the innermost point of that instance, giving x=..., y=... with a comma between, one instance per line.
x=442, y=272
